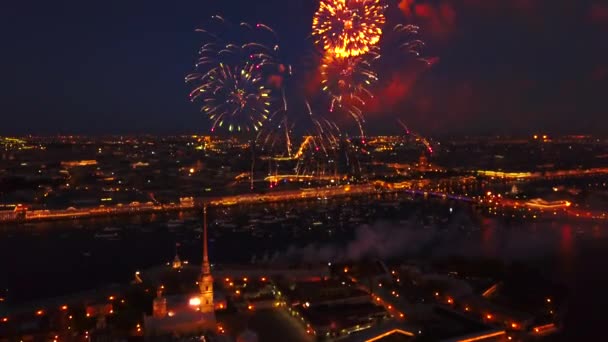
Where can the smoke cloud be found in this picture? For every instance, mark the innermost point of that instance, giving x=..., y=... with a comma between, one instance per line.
x=382, y=240
x=459, y=237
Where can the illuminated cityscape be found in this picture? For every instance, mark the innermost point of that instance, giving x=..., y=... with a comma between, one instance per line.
x=304, y=170
x=131, y=189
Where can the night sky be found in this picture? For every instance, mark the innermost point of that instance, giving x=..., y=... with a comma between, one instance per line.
x=118, y=66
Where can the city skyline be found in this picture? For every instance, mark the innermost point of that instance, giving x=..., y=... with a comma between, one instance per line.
x=472, y=211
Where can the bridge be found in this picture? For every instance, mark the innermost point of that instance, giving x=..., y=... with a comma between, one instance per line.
x=413, y=187
x=299, y=178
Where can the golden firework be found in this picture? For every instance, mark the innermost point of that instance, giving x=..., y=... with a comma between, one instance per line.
x=346, y=28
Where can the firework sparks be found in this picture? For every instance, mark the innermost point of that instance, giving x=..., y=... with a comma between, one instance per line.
x=348, y=66
x=348, y=79
x=275, y=138
x=405, y=42
x=232, y=78
x=318, y=148
x=347, y=28
x=418, y=137
x=233, y=96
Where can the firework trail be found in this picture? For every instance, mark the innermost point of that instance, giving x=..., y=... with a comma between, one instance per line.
x=419, y=137
x=406, y=41
x=275, y=138
x=317, y=153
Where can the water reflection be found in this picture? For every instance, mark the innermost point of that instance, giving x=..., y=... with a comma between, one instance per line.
x=61, y=250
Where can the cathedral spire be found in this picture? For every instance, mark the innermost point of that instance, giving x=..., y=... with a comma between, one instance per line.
x=206, y=281
x=206, y=268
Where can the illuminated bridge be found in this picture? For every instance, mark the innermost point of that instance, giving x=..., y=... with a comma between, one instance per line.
x=299, y=178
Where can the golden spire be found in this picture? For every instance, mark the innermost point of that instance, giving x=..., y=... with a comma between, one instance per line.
x=206, y=267
x=205, y=283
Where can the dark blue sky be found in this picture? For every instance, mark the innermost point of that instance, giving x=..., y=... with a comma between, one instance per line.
x=117, y=66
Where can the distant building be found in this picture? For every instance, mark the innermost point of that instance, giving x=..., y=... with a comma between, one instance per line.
x=77, y=163
x=159, y=305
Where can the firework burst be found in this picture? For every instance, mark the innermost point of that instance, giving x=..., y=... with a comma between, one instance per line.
x=234, y=96
x=345, y=28
x=348, y=83
x=348, y=78
x=232, y=78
